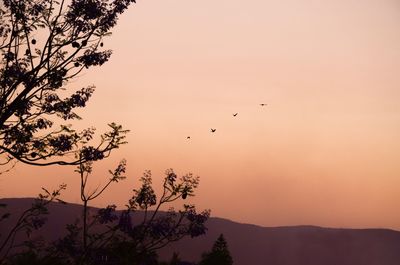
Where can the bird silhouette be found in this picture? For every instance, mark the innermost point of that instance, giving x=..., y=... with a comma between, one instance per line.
x=263, y=104
x=188, y=137
x=213, y=130
x=234, y=115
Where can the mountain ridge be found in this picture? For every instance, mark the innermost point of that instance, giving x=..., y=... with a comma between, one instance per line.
x=259, y=245
x=30, y=199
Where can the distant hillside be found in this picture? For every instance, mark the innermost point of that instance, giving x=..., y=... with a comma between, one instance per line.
x=255, y=245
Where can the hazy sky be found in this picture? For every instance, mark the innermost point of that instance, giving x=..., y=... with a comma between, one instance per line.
x=326, y=149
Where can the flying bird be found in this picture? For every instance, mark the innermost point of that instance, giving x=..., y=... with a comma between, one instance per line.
x=234, y=115
x=213, y=130
x=188, y=137
x=263, y=104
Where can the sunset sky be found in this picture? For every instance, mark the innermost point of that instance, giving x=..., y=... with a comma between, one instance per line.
x=324, y=151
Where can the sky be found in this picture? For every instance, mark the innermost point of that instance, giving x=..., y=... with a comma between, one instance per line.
x=324, y=151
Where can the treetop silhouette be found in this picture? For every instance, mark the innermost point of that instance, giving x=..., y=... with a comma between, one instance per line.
x=219, y=254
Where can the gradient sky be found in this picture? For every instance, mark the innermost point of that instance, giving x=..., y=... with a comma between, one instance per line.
x=326, y=149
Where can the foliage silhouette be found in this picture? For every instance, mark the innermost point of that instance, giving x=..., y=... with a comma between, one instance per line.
x=35, y=110
x=111, y=237
x=219, y=254
x=123, y=242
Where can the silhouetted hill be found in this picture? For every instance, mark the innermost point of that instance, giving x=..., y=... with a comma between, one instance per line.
x=255, y=245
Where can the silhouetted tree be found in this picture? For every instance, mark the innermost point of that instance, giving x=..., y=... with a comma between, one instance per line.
x=115, y=238
x=44, y=44
x=219, y=254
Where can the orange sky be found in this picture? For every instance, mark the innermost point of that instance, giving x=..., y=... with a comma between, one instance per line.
x=326, y=149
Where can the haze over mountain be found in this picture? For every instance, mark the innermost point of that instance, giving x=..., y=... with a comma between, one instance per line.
x=256, y=245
